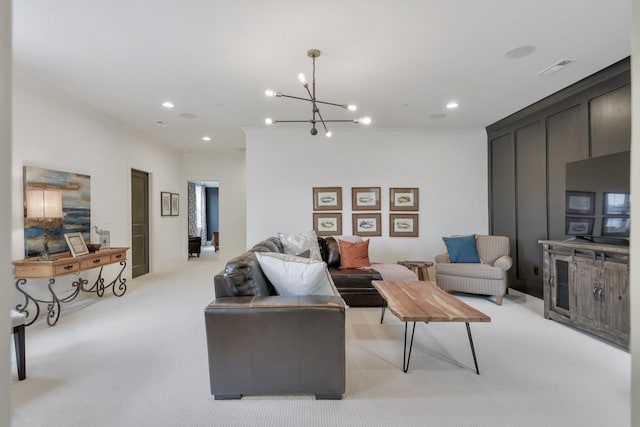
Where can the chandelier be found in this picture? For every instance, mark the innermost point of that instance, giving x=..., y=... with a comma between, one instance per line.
x=316, y=116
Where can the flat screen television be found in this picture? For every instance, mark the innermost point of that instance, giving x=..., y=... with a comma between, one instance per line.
x=598, y=201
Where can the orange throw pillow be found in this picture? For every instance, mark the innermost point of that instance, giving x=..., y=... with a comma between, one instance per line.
x=354, y=255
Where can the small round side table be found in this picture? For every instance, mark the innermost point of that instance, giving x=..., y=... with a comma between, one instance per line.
x=421, y=268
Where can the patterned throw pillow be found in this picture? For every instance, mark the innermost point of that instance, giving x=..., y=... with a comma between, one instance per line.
x=354, y=255
x=295, y=244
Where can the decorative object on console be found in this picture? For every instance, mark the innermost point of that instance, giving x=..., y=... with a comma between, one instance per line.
x=354, y=255
x=165, y=203
x=368, y=224
x=365, y=198
x=403, y=225
x=76, y=207
x=315, y=110
x=76, y=244
x=295, y=244
x=44, y=206
x=327, y=198
x=327, y=224
x=462, y=249
x=175, y=204
x=104, y=236
x=403, y=199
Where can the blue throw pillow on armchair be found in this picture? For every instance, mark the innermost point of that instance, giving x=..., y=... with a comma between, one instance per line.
x=462, y=249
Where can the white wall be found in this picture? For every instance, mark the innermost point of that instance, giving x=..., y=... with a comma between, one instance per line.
x=635, y=215
x=228, y=169
x=5, y=215
x=448, y=166
x=54, y=131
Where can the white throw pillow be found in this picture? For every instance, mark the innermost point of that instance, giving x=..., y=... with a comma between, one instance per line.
x=295, y=244
x=293, y=275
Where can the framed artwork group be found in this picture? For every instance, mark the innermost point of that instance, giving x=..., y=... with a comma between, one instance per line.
x=366, y=218
x=169, y=204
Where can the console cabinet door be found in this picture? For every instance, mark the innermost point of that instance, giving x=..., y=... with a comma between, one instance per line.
x=584, y=282
x=615, y=299
x=560, y=266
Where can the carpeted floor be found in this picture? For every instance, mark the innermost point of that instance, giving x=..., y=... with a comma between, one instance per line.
x=140, y=360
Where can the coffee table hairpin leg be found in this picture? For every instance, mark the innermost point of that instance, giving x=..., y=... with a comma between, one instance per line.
x=405, y=358
x=473, y=351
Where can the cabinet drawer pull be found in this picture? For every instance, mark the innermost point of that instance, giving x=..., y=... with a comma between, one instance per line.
x=96, y=261
x=119, y=256
x=68, y=267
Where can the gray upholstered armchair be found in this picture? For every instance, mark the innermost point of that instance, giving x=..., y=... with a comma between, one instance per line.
x=489, y=277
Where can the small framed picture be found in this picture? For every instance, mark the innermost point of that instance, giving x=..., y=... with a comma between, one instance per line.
x=327, y=198
x=403, y=199
x=580, y=202
x=403, y=225
x=327, y=224
x=617, y=204
x=366, y=224
x=578, y=226
x=616, y=226
x=76, y=244
x=165, y=203
x=365, y=198
x=175, y=204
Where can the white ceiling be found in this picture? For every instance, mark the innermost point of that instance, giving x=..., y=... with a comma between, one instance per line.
x=400, y=61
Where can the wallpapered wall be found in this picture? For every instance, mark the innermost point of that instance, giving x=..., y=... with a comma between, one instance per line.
x=194, y=230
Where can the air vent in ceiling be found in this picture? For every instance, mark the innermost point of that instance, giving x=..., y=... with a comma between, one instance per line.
x=554, y=68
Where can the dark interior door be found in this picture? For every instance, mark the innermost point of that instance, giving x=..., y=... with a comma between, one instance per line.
x=139, y=222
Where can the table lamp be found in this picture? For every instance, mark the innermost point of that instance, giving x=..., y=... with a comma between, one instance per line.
x=44, y=206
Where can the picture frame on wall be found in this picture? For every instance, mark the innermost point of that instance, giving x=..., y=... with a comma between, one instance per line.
x=327, y=198
x=403, y=225
x=327, y=224
x=580, y=202
x=403, y=199
x=616, y=204
x=76, y=244
x=175, y=204
x=616, y=226
x=165, y=203
x=366, y=224
x=578, y=226
x=365, y=198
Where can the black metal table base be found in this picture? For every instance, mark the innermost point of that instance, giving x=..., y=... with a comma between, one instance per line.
x=118, y=285
x=406, y=356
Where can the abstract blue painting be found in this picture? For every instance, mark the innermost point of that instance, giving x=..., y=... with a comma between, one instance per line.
x=76, y=205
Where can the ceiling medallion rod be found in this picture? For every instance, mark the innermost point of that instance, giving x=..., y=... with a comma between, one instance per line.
x=315, y=111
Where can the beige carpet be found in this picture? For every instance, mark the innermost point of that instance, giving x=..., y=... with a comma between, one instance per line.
x=140, y=360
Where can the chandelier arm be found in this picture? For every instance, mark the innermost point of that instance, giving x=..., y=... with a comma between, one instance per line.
x=296, y=97
x=316, y=109
x=293, y=121
x=337, y=121
x=330, y=103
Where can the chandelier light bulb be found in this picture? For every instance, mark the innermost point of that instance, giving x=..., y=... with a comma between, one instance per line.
x=268, y=121
x=365, y=120
x=351, y=107
x=206, y=138
x=302, y=79
x=328, y=134
x=167, y=104
x=269, y=93
x=452, y=105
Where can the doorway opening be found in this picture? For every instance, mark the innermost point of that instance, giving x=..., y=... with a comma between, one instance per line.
x=139, y=223
x=203, y=211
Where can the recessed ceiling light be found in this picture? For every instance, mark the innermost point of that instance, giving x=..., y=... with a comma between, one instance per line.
x=206, y=138
x=452, y=105
x=167, y=104
x=160, y=123
x=520, y=52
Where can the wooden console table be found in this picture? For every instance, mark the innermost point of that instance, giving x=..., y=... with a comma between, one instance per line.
x=60, y=265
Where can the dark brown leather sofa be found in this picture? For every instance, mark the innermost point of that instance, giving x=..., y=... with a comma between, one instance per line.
x=260, y=343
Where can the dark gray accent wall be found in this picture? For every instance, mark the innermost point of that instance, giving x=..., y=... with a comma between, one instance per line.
x=212, y=211
x=528, y=153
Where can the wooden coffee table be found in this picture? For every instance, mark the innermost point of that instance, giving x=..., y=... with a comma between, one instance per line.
x=425, y=302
